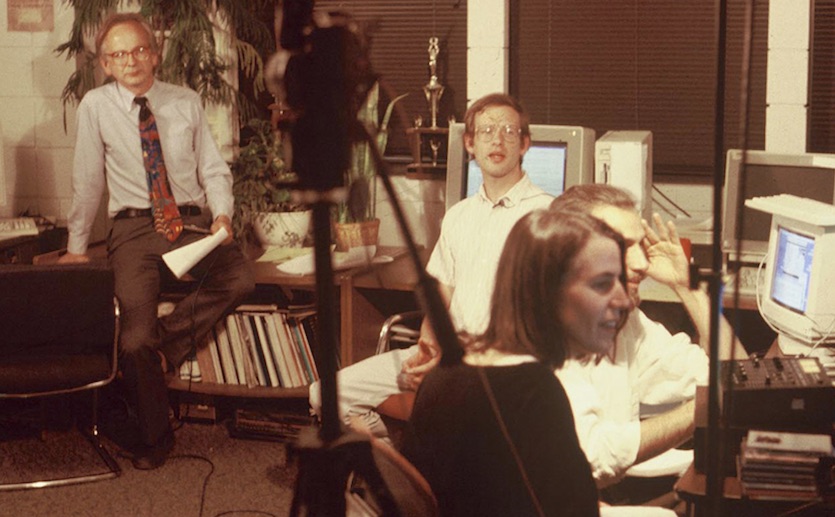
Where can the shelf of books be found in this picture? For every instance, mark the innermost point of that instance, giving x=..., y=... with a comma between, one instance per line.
x=260, y=350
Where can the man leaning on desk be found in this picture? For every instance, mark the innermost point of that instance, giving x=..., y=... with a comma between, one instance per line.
x=149, y=144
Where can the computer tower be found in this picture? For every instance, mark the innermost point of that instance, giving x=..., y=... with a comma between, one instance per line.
x=624, y=159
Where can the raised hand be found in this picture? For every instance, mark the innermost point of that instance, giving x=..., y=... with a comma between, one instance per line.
x=668, y=264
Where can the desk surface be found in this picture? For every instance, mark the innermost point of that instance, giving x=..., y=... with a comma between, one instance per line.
x=397, y=275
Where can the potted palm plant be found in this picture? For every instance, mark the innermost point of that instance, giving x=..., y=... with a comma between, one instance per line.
x=264, y=207
x=355, y=220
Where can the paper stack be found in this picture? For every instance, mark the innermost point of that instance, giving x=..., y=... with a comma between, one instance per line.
x=783, y=465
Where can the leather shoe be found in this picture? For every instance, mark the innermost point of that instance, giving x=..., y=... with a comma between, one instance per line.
x=150, y=457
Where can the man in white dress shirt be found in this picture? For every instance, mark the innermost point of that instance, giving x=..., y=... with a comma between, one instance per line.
x=649, y=365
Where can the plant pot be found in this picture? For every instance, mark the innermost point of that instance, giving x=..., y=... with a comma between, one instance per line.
x=352, y=235
x=284, y=229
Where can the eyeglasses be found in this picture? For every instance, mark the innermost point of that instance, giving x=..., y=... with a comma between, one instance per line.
x=509, y=132
x=139, y=54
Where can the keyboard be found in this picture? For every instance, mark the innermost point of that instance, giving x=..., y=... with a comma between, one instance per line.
x=749, y=276
x=12, y=227
x=787, y=205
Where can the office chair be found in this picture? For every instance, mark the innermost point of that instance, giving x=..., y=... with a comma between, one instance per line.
x=408, y=488
x=400, y=330
x=58, y=335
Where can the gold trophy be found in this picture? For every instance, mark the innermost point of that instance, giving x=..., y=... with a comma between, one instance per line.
x=433, y=90
x=419, y=136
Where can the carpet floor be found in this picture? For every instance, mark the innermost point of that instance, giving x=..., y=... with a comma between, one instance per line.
x=208, y=474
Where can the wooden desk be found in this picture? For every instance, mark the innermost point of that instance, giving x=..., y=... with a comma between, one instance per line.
x=367, y=296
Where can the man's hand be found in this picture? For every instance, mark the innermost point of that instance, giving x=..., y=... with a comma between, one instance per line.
x=73, y=258
x=416, y=367
x=223, y=221
x=667, y=261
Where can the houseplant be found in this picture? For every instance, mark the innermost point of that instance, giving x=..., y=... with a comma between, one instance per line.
x=186, y=33
x=355, y=221
x=262, y=183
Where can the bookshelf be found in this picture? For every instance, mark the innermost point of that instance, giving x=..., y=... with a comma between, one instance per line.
x=366, y=297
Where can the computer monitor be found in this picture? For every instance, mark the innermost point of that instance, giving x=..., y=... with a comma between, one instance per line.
x=559, y=157
x=799, y=273
x=808, y=175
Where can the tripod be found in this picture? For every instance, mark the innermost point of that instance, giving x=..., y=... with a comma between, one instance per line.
x=325, y=83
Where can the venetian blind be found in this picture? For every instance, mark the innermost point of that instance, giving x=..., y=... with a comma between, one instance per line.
x=400, y=31
x=821, y=136
x=636, y=64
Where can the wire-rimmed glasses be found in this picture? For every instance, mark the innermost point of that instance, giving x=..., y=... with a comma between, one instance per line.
x=509, y=132
x=120, y=57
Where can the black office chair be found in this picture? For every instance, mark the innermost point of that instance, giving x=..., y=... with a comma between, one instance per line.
x=58, y=335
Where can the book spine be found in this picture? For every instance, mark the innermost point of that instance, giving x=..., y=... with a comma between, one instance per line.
x=204, y=359
x=279, y=349
x=215, y=354
x=255, y=349
x=270, y=359
x=234, y=326
x=309, y=336
x=292, y=326
x=226, y=361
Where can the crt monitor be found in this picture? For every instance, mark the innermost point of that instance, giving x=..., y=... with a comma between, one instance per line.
x=559, y=157
x=806, y=175
x=799, y=273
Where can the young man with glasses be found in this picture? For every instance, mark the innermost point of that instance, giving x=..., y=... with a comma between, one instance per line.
x=148, y=144
x=464, y=262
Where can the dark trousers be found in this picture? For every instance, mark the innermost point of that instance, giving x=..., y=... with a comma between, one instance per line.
x=222, y=279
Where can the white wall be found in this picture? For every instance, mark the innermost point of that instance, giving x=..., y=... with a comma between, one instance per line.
x=37, y=153
x=788, y=76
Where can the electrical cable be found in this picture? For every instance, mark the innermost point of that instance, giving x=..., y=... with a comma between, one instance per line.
x=669, y=200
x=205, y=480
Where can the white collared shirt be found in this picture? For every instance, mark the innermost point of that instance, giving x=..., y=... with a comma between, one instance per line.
x=466, y=257
x=650, y=367
x=108, y=154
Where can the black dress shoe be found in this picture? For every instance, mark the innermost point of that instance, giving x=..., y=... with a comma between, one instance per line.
x=150, y=457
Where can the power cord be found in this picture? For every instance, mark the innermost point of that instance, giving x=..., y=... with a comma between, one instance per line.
x=205, y=480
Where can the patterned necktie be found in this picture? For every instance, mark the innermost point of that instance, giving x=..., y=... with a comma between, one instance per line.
x=167, y=220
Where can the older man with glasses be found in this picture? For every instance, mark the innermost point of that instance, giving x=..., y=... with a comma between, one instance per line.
x=147, y=143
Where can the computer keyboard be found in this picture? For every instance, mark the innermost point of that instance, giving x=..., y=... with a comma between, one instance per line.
x=749, y=276
x=812, y=211
x=11, y=227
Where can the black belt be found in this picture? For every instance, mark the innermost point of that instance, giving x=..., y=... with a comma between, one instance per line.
x=130, y=213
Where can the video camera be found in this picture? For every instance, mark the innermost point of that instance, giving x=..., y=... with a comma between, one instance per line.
x=326, y=80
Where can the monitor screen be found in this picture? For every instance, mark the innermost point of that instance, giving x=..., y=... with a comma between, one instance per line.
x=799, y=273
x=544, y=162
x=810, y=176
x=559, y=157
x=792, y=272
